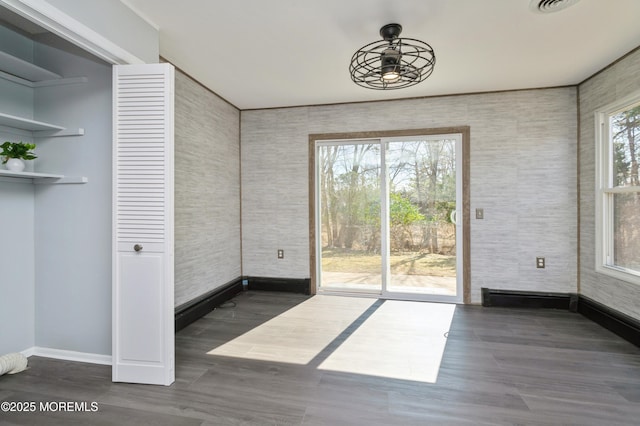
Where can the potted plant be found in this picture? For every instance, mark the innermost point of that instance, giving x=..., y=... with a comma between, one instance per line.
x=14, y=153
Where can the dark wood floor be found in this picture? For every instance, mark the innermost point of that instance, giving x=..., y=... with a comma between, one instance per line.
x=500, y=367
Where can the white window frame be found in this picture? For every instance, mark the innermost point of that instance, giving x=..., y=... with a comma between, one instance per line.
x=605, y=191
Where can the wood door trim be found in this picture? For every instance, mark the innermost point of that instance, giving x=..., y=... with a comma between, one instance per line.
x=465, y=131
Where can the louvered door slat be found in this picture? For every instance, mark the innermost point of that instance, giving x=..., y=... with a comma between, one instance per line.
x=143, y=323
x=141, y=105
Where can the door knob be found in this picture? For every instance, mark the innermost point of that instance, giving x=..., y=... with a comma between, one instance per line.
x=137, y=247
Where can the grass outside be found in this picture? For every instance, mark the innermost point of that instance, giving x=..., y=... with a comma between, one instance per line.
x=405, y=263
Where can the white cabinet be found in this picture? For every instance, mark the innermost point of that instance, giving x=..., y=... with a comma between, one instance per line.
x=20, y=72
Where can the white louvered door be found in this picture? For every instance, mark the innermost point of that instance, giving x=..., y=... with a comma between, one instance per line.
x=143, y=278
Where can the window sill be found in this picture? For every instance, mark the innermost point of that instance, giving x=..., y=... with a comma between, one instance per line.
x=619, y=274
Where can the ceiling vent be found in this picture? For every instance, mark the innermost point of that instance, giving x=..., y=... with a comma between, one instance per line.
x=550, y=6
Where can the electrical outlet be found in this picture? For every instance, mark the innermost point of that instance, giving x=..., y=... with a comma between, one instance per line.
x=479, y=213
x=539, y=262
x=280, y=254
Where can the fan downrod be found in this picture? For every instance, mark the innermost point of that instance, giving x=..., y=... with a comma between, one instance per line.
x=390, y=31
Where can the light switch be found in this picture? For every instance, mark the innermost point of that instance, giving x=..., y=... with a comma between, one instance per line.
x=479, y=213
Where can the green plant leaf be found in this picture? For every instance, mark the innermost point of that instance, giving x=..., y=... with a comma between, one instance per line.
x=19, y=150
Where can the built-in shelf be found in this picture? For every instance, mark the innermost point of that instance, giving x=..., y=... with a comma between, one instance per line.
x=41, y=178
x=26, y=123
x=25, y=73
x=42, y=83
x=37, y=128
x=23, y=69
x=22, y=72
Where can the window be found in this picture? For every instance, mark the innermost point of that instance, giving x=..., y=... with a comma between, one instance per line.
x=618, y=189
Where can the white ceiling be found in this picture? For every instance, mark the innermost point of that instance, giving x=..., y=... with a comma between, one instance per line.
x=261, y=54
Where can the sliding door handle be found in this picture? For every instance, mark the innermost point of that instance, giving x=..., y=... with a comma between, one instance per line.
x=454, y=217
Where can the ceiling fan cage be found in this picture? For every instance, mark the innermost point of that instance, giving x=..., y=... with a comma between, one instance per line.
x=411, y=61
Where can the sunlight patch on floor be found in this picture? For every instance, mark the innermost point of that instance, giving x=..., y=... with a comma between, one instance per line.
x=401, y=340
x=298, y=335
x=397, y=339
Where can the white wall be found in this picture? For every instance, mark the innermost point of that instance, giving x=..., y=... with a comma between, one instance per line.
x=15, y=99
x=523, y=173
x=73, y=222
x=17, y=281
x=613, y=83
x=17, y=277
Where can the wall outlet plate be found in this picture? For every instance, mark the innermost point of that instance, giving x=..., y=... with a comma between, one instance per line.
x=280, y=254
x=539, y=262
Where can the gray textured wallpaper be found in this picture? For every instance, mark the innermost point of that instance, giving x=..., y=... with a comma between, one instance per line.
x=207, y=191
x=614, y=83
x=523, y=174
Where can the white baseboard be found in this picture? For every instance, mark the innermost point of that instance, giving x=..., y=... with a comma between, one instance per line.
x=68, y=355
x=28, y=352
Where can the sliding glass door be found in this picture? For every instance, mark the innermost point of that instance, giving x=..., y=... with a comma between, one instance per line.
x=423, y=216
x=349, y=216
x=386, y=217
